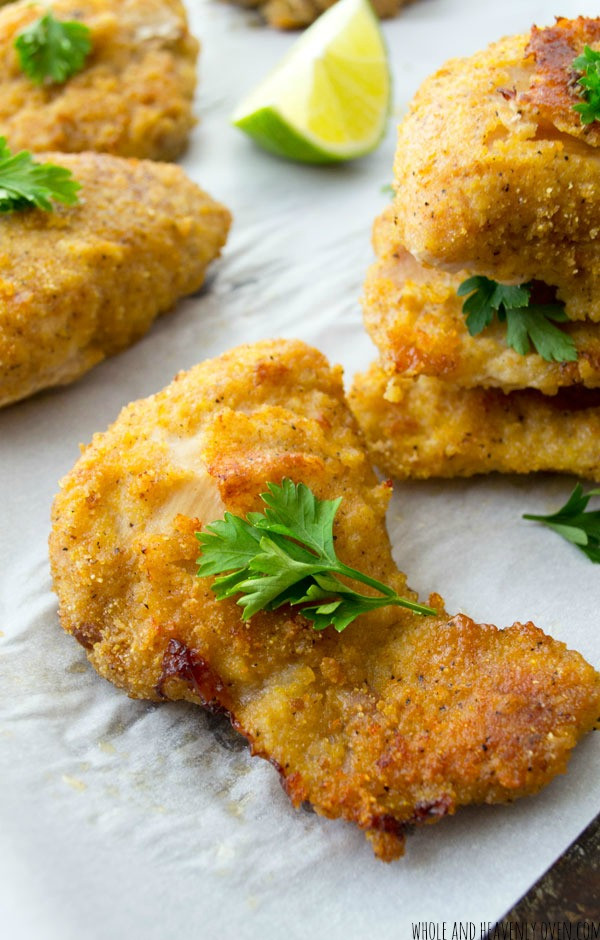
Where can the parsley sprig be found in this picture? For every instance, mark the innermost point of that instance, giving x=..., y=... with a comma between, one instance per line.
x=286, y=555
x=588, y=63
x=25, y=184
x=52, y=50
x=576, y=523
x=527, y=324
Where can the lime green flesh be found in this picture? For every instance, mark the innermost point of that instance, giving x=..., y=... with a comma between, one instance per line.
x=268, y=129
x=329, y=98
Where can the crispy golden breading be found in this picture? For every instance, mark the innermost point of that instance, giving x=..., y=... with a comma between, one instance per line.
x=492, y=180
x=134, y=95
x=296, y=14
x=434, y=429
x=554, y=82
x=414, y=315
x=83, y=282
x=399, y=719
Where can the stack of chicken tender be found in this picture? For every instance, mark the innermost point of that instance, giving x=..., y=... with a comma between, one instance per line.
x=495, y=175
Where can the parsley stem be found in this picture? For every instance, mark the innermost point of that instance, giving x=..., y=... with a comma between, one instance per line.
x=388, y=592
x=341, y=568
x=411, y=605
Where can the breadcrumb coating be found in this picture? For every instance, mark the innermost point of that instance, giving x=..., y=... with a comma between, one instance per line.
x=296, y=14
x=414, y=316
x=431, y=428
x=398, y=720
x=495, y=175
x=134, y=95
x=549, y=96
x=83, y=282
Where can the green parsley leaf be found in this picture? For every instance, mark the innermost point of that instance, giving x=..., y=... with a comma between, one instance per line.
x=526, y=324
x=576, y=523
x=231, y=544
x=343, y=611
x=25, y=184
x=478, y=307
x=588, y=63
x=286, y=555
x=53, y=50
x=296, y=512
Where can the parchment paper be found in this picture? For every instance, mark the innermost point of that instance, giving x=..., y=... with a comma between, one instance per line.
x=123, y=819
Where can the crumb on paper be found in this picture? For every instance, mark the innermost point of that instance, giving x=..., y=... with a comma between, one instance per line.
x=236, y=808
x=77, y=668
x=74, y=782
x=224, y=854
x=107, y=747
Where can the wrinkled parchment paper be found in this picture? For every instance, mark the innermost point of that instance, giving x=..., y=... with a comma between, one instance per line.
x=125, y=819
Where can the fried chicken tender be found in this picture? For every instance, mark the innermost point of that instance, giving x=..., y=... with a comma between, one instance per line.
x=296, y=14
x=398, y=720
x=83, y=282
x=496, y=174
x=134, y=95
x=414, y=315
x=430, y=428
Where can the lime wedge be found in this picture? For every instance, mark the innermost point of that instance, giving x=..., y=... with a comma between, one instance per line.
x=329, y=98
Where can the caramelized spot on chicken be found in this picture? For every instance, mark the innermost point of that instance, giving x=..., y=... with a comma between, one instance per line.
x=553, y=88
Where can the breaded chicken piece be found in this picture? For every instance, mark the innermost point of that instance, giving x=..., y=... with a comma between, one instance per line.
x=296, y=14
x=496, y=174
x=398, y=720
x=83, y=282
x=433, y=429
x=134, y=95
x=414, y=316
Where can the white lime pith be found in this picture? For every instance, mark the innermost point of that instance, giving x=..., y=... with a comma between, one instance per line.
x=329, y=98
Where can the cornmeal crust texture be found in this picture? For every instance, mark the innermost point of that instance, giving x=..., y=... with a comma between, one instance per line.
x=495, y=176
x=414, y=315
x=433, y=429
x=495, y=173
x=398, y=720
x=296, y=14
x=83, y=282
x=134, y=95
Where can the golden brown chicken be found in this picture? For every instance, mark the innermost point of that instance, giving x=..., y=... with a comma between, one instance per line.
x=83, y=282
x=426, y=427
x=398, y=720
x=134, y=95
x=496, y=174
x=296, y=14
x=495, y=177
x=414, y=316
